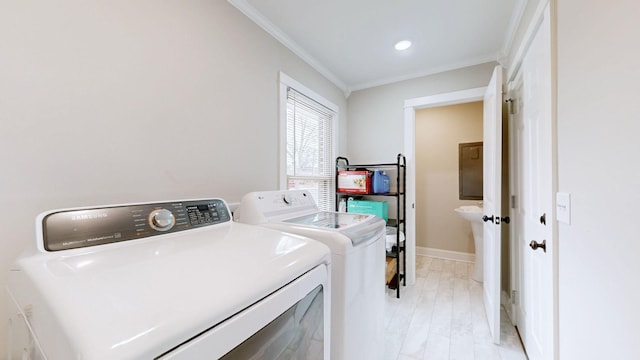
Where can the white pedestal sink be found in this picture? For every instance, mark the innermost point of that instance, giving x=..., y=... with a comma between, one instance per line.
x=473, y=214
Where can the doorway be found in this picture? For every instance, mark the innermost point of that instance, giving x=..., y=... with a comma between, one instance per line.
x=410, y=107
x=441, y=100
x=440, y=132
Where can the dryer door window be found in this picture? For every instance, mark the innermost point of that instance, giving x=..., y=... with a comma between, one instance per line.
x=296, y=334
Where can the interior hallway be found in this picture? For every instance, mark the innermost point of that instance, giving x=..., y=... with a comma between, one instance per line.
x=442, y=317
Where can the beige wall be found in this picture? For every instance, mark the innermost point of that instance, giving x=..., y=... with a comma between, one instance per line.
x=105, y=102
x=439, y=130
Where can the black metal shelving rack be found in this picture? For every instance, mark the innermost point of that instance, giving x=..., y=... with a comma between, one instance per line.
x=400, y=222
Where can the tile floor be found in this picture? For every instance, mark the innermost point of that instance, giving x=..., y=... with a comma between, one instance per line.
x=442, y=317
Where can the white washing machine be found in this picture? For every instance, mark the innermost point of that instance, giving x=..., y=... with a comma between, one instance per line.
x=171, y=280
x=357, y=244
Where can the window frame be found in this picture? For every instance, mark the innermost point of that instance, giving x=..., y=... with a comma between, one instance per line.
x=286, y=82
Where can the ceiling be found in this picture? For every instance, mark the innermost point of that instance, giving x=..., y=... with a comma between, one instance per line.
x=351, y=42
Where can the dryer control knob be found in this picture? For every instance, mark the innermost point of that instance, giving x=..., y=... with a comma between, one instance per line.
x=287, y=199
x=162, y=219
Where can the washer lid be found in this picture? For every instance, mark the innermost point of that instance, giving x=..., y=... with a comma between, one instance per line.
x=357, y=227
x=139, y=299
x=331, y=220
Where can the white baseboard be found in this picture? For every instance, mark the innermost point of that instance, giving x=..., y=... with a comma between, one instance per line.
x=445, y=254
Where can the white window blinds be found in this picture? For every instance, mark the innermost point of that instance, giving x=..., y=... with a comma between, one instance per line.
x=310, y=148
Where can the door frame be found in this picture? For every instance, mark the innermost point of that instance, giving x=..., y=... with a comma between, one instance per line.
x=476, y=94
x=410, y=107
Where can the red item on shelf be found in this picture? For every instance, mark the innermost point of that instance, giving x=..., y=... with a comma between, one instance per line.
x=354, y=181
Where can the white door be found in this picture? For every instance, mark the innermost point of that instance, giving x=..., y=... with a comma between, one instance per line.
x=492, y=191
x=535, y=213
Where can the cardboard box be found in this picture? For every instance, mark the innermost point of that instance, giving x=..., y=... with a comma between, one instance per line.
x=354, y=181
x=391, y=269
x=378, y=208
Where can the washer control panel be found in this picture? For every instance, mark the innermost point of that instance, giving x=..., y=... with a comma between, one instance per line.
x=76, y=228
x=296, y=199
x=260, y=207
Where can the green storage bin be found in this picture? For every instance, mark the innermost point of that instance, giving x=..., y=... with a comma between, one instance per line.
x=378, y=208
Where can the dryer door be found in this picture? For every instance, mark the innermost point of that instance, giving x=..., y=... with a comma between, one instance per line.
x=292, y=323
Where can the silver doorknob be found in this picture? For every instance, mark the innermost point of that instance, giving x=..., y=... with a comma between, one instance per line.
x=535, y=245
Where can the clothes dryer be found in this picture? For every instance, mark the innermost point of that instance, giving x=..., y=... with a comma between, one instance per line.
x=171, y=280
x=357, y=244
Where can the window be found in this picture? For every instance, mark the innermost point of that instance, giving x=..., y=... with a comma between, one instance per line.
x=308, y=128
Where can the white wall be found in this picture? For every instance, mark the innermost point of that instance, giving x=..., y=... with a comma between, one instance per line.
x=105, y=102
x=376, y=115
x=598, y=126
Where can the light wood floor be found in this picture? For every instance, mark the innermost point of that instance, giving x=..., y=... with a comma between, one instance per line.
x=442, y=317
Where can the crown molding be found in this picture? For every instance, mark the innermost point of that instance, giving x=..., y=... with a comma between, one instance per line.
x=500, y=56
x=527, y=39
x=514, y=22
x=250, y=12
x=432, y=71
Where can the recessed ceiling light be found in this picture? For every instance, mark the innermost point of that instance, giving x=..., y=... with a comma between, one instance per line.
x=403, y=45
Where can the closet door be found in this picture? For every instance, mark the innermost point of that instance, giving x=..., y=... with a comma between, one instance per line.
x=537, y=215
x=492, y=199
x=538, y=218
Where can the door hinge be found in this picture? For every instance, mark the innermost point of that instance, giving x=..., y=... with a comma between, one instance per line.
x=513, y=201
x=514, y=297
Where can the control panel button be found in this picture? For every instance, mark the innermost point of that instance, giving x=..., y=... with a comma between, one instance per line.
x=162, y=220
